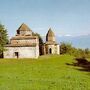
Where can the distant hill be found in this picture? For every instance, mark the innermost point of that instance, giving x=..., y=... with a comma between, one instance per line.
x=78, y=41
x=82, y=41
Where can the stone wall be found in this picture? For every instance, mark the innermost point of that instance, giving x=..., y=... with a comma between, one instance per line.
x=24, y=41
x=23, y=52
x=50, y=38
x=55, y=49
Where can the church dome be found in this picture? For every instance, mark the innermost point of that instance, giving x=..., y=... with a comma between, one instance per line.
x=50, y=35
x=24, y=27
x=24, y=30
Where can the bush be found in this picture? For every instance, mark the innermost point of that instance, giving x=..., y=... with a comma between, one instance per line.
x=66, y=48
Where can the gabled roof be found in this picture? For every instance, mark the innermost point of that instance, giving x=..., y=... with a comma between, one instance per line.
x=24, y=27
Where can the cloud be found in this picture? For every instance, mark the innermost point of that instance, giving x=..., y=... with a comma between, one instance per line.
x=68, y=35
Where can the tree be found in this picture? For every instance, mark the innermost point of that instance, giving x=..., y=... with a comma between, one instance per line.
x=65, y=48
x=3, y=38
x=40, y=43
x=87, y=51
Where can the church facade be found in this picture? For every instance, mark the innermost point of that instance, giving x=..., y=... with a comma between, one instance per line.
x=26, y=45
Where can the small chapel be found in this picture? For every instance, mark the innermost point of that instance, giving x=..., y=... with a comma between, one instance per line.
x=51, y=46
x=25, y=44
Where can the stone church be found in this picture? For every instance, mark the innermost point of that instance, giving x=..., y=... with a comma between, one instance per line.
x=26, y=45
x=51, y=46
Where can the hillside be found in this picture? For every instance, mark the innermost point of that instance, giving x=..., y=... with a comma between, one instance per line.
x=46, y=73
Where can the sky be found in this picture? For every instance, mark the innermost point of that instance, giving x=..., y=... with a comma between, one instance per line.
x=65, y=17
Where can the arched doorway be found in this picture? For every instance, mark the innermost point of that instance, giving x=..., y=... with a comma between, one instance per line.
x=16, y=55
x=50, y=51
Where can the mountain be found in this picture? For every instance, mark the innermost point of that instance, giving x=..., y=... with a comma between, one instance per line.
x=82, y=41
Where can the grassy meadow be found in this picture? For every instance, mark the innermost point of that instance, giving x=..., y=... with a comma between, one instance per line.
x=45, y=73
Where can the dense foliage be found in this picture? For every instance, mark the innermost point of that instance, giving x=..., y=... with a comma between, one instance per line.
x=67, y=48
x=3, y=38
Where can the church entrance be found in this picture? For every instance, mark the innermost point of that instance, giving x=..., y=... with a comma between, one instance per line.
x=16, y=55
x=50, y=51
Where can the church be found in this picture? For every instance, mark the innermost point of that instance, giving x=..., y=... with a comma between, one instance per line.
x=26, y=45
x=51, y=46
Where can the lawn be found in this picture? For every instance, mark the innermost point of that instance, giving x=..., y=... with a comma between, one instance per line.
x=49, y=72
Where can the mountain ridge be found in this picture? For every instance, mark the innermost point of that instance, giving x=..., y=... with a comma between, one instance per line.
x=82, y=41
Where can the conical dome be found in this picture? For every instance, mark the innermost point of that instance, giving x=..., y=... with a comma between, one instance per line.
x=24, y=27
x=50, y=35
x=24, y=30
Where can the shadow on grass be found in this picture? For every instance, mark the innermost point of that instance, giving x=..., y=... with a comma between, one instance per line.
x=81, y=62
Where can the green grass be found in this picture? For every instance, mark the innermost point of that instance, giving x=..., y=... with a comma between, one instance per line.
x=45, y=73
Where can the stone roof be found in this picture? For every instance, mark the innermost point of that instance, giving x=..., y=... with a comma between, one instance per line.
x=51, y=43
x=50, y=33
x=24, y=37
x=21, y=45
x=24, y=27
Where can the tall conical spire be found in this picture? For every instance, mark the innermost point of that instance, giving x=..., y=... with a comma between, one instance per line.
x=50, y=35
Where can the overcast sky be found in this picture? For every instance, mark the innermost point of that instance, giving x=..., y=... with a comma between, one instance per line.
x=65, y=17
